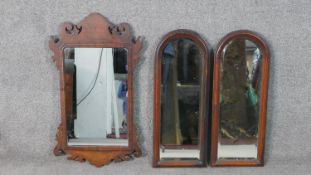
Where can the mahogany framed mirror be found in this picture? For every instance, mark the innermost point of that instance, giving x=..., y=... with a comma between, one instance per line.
x=240, y=87
x=96, y=60
x=181, y=100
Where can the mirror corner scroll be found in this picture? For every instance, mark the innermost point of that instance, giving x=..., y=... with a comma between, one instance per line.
x=240, y=87
x=96, y=59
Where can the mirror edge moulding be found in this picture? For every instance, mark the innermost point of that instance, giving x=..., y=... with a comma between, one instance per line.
x=96, y=31
x=204, y=102
x=254, y=37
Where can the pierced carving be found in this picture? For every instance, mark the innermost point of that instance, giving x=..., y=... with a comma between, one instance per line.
x=73, y=29
x=54, y=46
x=95, y=30
x=118, y=29
x=98, y=158
x=138, y=44
x=121, y=31
x=59, y=150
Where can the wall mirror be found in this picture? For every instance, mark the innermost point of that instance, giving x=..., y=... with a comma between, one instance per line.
x=96, y=60
x=240, y=83
x=181, y=100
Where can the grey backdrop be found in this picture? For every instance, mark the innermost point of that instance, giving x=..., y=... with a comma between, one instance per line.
x=29, y=92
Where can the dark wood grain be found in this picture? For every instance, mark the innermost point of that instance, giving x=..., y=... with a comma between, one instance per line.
x=95, y=31
x=262, y=105
x=204, y=100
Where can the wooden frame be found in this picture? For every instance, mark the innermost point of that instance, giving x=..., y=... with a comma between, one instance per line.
x=204, y=102
x=95, y=31
x=262, y=104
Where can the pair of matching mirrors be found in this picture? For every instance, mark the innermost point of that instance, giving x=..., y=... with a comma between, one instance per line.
x=96, y=61
x=195, y=91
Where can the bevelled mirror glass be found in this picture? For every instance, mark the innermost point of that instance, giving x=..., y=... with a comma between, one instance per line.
x=96, y=60
x=240, y=77
x=180, y=95
x=180, y=100
x=99, y=97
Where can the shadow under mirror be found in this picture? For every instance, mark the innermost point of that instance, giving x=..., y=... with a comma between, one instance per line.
x=240, y=86
x=181, y=73
x=96, y=82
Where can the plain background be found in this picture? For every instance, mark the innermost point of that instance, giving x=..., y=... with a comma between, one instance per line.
x=29, y=80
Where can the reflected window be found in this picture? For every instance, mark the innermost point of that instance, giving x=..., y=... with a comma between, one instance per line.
x=96, y=82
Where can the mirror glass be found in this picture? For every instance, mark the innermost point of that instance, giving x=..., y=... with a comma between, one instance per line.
x=181, y=72
x=96, y=95
x=240, y=82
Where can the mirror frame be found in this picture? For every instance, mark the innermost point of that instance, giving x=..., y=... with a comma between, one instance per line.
x=204, y=100
x=96, y=31
x=252, y=36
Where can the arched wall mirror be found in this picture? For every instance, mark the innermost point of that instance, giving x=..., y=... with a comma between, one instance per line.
x=181, y=100
x=96, y=60
x=240, y=86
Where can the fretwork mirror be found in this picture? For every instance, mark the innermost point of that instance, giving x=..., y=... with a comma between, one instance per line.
x=96, y=60
x=181, y=100
x=240, y=85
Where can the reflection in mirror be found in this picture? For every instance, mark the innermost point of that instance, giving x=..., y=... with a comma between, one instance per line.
x=180, y=98
x=96, y=79
x=240, y=82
